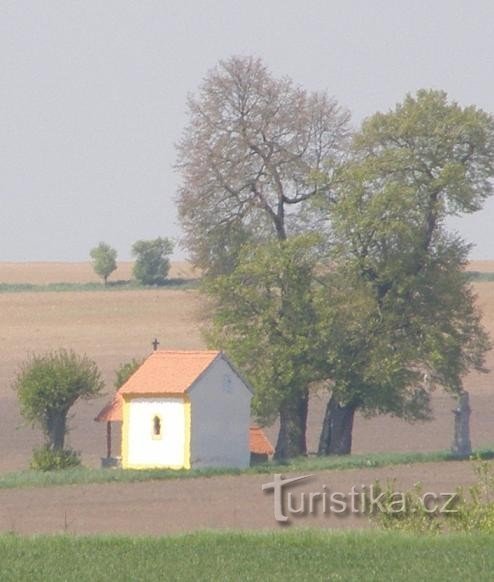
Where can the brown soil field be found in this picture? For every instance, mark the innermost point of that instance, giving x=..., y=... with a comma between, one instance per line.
x=113, y=327
x=184, y=505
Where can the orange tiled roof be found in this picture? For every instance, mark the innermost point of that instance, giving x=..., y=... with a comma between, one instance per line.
x=112, y=412
x=168, y=372
x=258, y=442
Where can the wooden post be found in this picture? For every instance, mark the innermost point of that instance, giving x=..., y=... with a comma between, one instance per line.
x=108, y=440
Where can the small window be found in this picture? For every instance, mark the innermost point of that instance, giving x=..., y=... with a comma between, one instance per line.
x=156, y=427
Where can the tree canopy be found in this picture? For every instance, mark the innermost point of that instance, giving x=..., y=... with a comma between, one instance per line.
x=48, y=385
x=267, y=317
x=104, y=260
x=152, y=263
x=379, y=306
x=256, y=150
x=407, y=321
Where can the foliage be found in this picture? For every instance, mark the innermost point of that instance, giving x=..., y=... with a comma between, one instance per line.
x=406, y=321
x=125, y=371
x=47, y=459
x=472, y=510
x=266, y=317
x=405, y=510
x=256, y=150
x=245, y=556
x=48, y=385
x=152, y=264
x=476, y=511
x=104, y=260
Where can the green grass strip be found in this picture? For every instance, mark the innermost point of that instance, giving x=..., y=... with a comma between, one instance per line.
x=83, y=475
x=112, y=286
x=479, y=276
x=291, y=555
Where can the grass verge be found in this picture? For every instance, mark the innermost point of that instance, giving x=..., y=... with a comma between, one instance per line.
x=479, y=276
x=83, y=475
x=112, y=286
x=291, y=555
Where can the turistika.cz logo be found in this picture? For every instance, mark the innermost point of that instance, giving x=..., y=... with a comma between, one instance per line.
x=360, y=500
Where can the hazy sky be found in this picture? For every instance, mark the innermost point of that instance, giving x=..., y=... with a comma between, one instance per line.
x=92, y=97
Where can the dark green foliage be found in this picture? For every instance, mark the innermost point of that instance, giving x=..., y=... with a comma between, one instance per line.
x=48, y=385
x=152, y=263
x=267, y=316
x=406, y=320
x=125, y=371
x=47, y=459
x=104, y=260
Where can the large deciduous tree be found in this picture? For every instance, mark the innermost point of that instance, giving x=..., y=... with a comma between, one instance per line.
x=267, y=314
x=257, y=152
x=407, y=321
x=256, y=149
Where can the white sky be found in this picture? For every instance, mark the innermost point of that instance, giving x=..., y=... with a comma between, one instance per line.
x=92, y=97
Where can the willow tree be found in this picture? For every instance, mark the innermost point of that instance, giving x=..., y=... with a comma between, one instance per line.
x=407, y=322
x=48, y=385
x=256, y=152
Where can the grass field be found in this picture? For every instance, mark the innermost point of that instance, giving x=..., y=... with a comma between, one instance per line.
x=302, y=555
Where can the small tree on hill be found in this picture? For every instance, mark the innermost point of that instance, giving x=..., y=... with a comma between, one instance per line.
x=152, y=262
x=104, y=260
x=48, y=385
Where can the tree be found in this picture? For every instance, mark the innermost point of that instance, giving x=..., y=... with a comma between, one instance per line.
x=104, y=260
x=257, y=155
x=407, y=321
x=266, y=315
x=256, y=151
x=125, y=371
x=49, y=385
x=152, y=263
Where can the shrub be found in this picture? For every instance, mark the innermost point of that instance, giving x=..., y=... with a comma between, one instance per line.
x=47, y=459
x=472, y=511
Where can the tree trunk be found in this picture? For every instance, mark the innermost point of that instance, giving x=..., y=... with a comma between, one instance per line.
x=57, y=430
x=293, y=424
x=336, y=434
